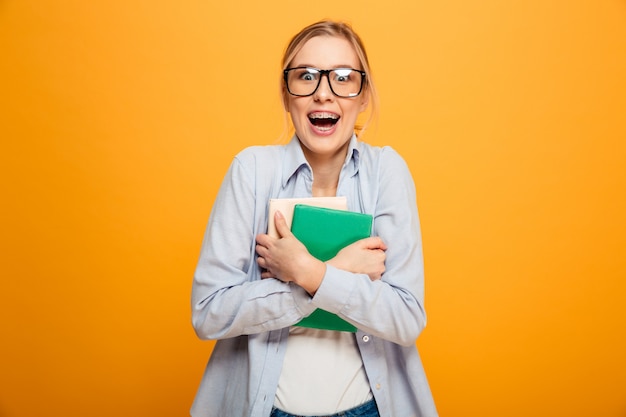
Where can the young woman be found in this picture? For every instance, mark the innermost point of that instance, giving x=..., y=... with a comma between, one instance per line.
x=250, y=288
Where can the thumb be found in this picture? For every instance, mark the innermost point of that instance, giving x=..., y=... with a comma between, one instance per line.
x=281, y=224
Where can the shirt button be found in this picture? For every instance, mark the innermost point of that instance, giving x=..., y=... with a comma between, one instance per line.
x=366, y=338
x=377, y=386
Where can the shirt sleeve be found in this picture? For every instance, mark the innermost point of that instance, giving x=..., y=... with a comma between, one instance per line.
x=392, y=307
x=228, y=296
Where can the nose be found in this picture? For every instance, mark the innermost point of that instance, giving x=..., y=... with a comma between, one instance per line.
x=323, y=92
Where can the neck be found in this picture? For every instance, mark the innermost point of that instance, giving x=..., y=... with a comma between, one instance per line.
x=326, y=170
x=325, y=179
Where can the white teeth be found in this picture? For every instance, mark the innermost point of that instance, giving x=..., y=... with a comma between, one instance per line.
x=323, y=115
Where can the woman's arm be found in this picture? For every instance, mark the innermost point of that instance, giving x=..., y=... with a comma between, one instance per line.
x=392, y=307
x=287, y=259
x=228, y=296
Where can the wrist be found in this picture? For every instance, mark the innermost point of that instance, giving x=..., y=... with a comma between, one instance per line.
x=312, y=276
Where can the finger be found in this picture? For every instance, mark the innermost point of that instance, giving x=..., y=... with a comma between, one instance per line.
x=265, y=273
x=262, y=240
x=281, y=224
x=373, y=243
x=261, y=250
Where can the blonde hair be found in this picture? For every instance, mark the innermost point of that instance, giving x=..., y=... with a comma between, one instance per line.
x=340, y=30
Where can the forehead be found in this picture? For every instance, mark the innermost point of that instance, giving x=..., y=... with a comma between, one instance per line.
x=327, y=52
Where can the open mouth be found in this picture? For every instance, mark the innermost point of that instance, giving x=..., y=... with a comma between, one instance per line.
x=323, y=121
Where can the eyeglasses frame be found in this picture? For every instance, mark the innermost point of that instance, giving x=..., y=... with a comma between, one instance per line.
x=322, y=73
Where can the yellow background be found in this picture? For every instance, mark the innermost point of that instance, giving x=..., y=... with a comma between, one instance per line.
x=118, y=120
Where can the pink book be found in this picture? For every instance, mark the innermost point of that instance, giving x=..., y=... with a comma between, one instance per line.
x=286, y=206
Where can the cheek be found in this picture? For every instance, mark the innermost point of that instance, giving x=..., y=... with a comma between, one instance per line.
x=297, y=116
x=296, y=110
x=353, y=111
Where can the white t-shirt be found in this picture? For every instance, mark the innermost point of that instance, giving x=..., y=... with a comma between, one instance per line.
x=322, y=373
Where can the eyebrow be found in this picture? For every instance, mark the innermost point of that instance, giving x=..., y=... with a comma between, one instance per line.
x=333, y=67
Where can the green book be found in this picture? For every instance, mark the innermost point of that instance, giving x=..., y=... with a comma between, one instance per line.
x=325, y=232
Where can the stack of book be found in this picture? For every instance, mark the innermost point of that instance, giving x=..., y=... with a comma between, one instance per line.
x=324, y=226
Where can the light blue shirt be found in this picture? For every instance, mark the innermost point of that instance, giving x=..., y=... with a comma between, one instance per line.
x=250, y=317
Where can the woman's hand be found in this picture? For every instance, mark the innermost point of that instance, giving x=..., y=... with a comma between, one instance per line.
x=287, y=259
x=366, y=256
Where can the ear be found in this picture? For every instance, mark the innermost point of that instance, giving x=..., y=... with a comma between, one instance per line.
x=285, y=97
x=365, y=100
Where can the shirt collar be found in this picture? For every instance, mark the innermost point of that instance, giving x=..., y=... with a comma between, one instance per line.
x=295, y=159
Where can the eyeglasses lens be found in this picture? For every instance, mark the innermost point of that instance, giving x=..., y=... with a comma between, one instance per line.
x=344, y=82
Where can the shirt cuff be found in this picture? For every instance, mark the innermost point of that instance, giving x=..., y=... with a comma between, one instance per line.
x=302, y=300
x=335, y=292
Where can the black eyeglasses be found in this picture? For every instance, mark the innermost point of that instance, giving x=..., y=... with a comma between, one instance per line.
x=343, y=82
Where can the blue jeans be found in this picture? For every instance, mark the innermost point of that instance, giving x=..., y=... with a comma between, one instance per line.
x=365, y=410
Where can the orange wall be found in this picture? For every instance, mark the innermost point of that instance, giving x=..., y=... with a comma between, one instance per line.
x=118, y=120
